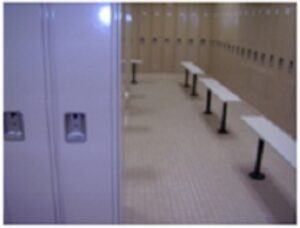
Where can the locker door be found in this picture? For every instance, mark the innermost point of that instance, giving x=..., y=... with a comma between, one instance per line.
x=169, y=38
x=28, y=171
x=84, y=41
x=126, y=45
x=193, y=39
x=134, y=31
x=287, y=25
x=156, y=38
x=144, y=23
x=205, y=25
x=181, y=30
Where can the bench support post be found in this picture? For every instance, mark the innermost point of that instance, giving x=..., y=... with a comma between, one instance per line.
x=133, y=81
x=222, y=129
x=256, y=174
x=194, y=89
x=208, y=102
x=186, y=83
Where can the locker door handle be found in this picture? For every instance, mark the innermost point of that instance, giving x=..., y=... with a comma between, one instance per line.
x=202, y=41
x=291, y=66
x=167, y=39
x=13, y=126
x=142, y=40
x=154, y=40
x=191, y=40
x=178, y=40
x=280, y=63
x=75, y=124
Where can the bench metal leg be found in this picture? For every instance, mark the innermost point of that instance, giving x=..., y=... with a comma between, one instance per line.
x=256, y=174
x=222, y=129
x=133, y=81
x=194, y=89
x=208, y=102
x=186, y=83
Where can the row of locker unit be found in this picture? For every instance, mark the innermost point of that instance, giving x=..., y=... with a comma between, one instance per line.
x=165, y=34
x=268, y=28
x=270, y=89
x=262, y=58
x=265, y=76
x=61, y=103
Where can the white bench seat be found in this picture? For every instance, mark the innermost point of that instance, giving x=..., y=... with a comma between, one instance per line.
x=221, y=91
x=195, y=71
x=223, y=94
x=136, y=61
x=277, y=138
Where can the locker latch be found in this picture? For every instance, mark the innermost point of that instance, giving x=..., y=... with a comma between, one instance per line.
x=75, y=124
x=13, y=126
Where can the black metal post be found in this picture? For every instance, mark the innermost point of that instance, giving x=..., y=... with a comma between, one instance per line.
x=133, y=74
x=256, y=174
x=194, y=89
x=186, y=84
x=208, y=101
x=222, y=129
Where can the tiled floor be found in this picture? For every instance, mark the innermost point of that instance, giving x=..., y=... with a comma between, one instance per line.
x=178, y=169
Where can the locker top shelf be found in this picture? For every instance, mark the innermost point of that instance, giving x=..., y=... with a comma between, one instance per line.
x=221, y=91
x=277, y=138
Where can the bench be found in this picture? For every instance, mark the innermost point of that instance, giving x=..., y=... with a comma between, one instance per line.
x=277, y=138
x=186, y=65
x=195, y=71
x=224, y=95
x=134, y=63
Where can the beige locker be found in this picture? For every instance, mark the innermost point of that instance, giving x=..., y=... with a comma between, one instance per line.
x=266, y=29
x=156, y=38
x=275, y=36
x=251, y=29
x=181, y=36
x=169, y=37
x=243, y=26
x=205, y=27
x=287, y=31
x=193, y=28
x=144, y=30
x=259, y=30
x=256, y=32
x=247, y=31
x=134, y=31
x=126, y=45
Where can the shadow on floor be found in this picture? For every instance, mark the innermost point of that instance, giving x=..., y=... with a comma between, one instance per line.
x=139, y=110
x=140, y=174
x=187, y=91
x=130, y=216
x=213, y=122
x=136, y=129
x=270, y=195
x=138, y=96
x=143, y=81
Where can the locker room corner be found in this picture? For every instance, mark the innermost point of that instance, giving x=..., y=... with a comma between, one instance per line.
x=150, y=113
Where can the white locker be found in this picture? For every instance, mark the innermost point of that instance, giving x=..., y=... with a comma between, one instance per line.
x=84, y=40
x=62, y=71
x=28, y=170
